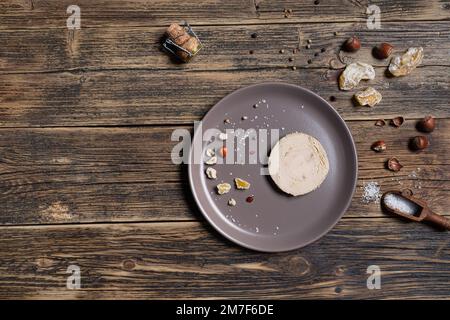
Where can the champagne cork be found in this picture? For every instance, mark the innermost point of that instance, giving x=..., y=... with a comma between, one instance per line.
x=182, y=38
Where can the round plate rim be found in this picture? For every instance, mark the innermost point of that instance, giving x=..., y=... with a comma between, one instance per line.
x=338, y=217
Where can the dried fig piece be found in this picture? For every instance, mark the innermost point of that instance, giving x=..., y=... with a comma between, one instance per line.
x=369, y=97
x=402, y=65
x=354, y=73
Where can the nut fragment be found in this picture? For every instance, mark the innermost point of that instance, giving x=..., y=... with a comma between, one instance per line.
x=354, y=73
x=232, y=202
x=211, y=161
x=369, y=97
x=380, y=123
x=211, y=173
x=223, y=136
x=397, y=121
x=241, y=184
x=394, y=165
x=402, y=65
x=210, y=152
x=378, y=146
x=223, y=188
x=352, y=44
x=419, y=143
x=427, y=124
x=383, y=51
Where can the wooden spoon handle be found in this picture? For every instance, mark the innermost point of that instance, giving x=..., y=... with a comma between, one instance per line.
x=438, y=220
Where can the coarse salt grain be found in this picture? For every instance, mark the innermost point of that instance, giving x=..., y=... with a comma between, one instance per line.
x=371, y=192
x=401, y=204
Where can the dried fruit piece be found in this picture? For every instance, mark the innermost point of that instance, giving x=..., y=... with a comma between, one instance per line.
x=369, y=97
x=241, y=184
x=402, y=65
x=250, y=199
x=394, y=165
x=223, y=188
x=211, y=161
x=378, y=146
x=380, y=123
x=211, y=173
x=419, y=143
x=232, y=202
x=223, y=152
x=354, y=73
x=397, y=121
x=427, y=124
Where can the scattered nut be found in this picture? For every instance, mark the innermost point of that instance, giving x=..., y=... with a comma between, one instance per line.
x=354, y=73
x=378, y=146
x=370, y=97
x=223, y=136
x=427, y=124
x=380, y=123
x=419, y=143
x=211, y=173
x=382, y=51
x=210, y=152
x=227, y=120
x=394, y=165
x=352, y=44
x=402, y=65
x=232, y=202
x=244, y=118
x=223, y=188
x=241, y=184
x=397, y=121
x=211, y=161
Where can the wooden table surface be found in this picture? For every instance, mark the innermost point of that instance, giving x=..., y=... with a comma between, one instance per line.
x=86, y=176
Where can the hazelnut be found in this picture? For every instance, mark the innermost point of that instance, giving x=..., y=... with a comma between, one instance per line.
x=419, y=143
x=382, y=51
x=427, y=124
x=352, y=44
x=394, y=165
x=378, y=146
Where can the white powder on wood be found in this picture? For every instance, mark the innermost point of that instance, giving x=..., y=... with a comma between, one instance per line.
x=371, y=192
x=401, y=204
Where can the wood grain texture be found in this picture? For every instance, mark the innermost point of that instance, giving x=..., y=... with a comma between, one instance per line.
x=167, y=97
x=190, y=260
x=20, y=14
x=71, y=175
x=225, y=47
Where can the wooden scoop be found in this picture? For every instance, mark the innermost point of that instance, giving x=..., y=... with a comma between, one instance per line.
x=406, y=206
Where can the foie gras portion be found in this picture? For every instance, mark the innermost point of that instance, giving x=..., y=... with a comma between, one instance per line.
x=298, y=164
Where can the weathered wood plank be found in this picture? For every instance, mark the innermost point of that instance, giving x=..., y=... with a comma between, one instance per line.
x=190, y=260
x=52, y=14
x=226, y=47
x=70, y=175
x=168, y=97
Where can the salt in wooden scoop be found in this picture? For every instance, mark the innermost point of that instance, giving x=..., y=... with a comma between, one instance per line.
x=406, y=206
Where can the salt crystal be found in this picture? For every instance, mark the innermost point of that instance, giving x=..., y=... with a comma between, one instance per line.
x=401, y=204
x=371, y=192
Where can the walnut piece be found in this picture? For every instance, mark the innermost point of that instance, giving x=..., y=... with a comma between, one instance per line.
x=211, y=173
x=223, y=188
x=354, y=73
x=402, y=65
x=369, y=97
x=241, y=184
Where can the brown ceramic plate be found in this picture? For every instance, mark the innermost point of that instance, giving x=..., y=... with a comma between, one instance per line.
x=275, y=221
